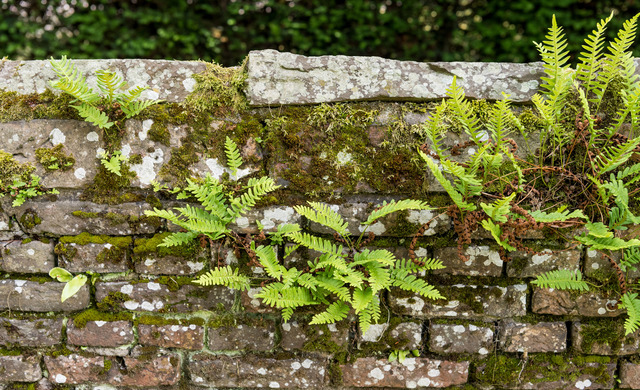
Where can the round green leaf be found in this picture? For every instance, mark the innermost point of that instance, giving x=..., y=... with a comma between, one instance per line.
x=60, y=274
x=73, y=286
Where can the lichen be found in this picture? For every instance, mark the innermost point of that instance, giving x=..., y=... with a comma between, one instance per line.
x=112, y=302
x=218, y=90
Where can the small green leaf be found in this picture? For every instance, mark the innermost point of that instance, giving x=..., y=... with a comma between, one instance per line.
x=73, y=287
x=60, y=274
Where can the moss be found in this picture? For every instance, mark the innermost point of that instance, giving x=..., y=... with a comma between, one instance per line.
x=30, y=219
x=84, y=214
x=174, y=283
x=222, y=321
x=80, y=320
x=154, y=202
x=602, y=332
x=144, y=246
x=11, y=169
x=110, y=188
x=335, y=374
x=176, y=170
x=218, y=90
x=530, y=121
x=53, y=159
x=60, y=351
x=112, y=302
x=85, y=238
x=106, y=366
x=26, y=240
x=15, y=107
x=161, y=321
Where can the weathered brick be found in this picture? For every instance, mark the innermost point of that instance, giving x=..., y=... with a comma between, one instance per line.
x=186, y=336
x=33, y=332
x=411, y=373
x=255, y=305
x=630, y=375
x=482, y=261
x=186, y=259
x=152, y=296
x=540, y=337
x=524, y=265
x=247, y=335
x=253, y=371
x=41, y=297
x=20, y=369
x=147, y=368
x=604, y=337
x=77, y=369
x=471, y=302
x=559, y=302
x=71, y=217
x=298, y=335
x=396, y=334
x=460, y=338
x=87, y=252
x=101, y=333
x=28, y=257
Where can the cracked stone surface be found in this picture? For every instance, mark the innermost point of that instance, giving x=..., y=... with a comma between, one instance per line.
x=523, y=265
x=25, y=295
x=459, y=338
x=482, y=261
x=31, y=257
x=540, y=337
x=630, y=375
x=31, y=332
x=276, y=78
x=558, y=302
x=20, y=368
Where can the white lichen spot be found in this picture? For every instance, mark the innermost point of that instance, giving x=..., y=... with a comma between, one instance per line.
x=131, y=305
x=595, y=265
x=295, y=366
x=31, y=252
x=242, y=222
x=152, y=95
x=15, y=138
x=374, y=333
x=175, y=328
x=149, y=262
x=483, y=351
x=433, y=372
x=145, y=172
x=3, y=225
x=20, y=282
x=332, y=328
x=602, y=311
x=100, y=153
x=274, y=385
x=276, y=215
x=424, y=382
x=411, y=385
x=591, y=253
x=189, y=84
x=61, y=378
x=93, y=137
x=583, y=384
x=146, y=126
x=153, y=286
x=458, y=329
x=421, y=252
x=376, y=373
x=195, y=266
x=343, y=157
x=286, y=327
x=126, y=289
x=100, y=324
x=377, y=228
x=107, y=246
x=451, y=313
x=416, y=306
x=198, y=379
x=542, y=258
x=80, y=173
x=148, y=306
x=57, y=137
x=307, y=363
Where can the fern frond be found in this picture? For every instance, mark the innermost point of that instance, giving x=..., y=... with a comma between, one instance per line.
x=333, y=286
x=499, y=209
x=337, y=311
x=333, y=260
x=590, y=57
x=224, y=276
x=554, y=55
x=557, y=216
x=134, y=108
x=468, y=184
x=351, y=277
x=315, y=243
x=613, y=157
x=324, y=215
x=131, y=95
x=256, y=189
x=631, y=257
x=276, y=296
x=432, y=128
x=633, y=171
x=379, y=276
x=631, y=302
x=269, y=260
x=361, y=298
x=381, y=256
x=496, y=233
x=112, y=164
x=72, y=82
x=178, y=238
x=499, y=120
x=414, y=284
x=290, y=276
x=394, y=206
x=93, y=115
x=607, y=243
x=109, y=82
x=234, y=160
x=453, y=193
x=369, y=315
x=562, y=279
x=463, y=112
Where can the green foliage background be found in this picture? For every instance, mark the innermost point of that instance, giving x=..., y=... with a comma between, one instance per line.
x=226, y=30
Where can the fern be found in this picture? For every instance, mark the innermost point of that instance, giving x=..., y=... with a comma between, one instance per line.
x=334, y=286
x=361, y=298
x=554, y=55
x=499, y=209
x=562, y=279
x=560, y=215
x=178, y=238
x=224, y=276
x=72, y=82
x=590, y=58
x=233, y=156
x=322, y=214
x=463, y=112
x=607, y=243
x=269, y=261
x=381, y=256
x=134, y=108
x=379, y=276
x=113, y=163
x=93, y=115
x=315, y=243
x=369, y=314
x=109, y=82
x=410, y=282
x=631, y=303
x=496, y=233
x=432, y=128
x=615, y=156
x=394, y=206
x=500, y=119
x=453, y=193
x=276, y=296
x=337, y=311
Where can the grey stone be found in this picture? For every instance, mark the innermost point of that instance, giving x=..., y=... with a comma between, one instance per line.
x=152, y=296
x=31, y=257
x=32, y=332
x=298, y=335
x=95, y=257
x=461, y=338
x=20, y=369
x=187, y=261
x=464, y=301
x=24, y=295
x=540, y=337
x=630, y=375
x=283, y=78
x=523, y=265
x=167, y=80
x=393, y=335
x=598, y=267
x=252, y=371
x=604, y=337
x=482, y=261
x=101, y=333
x=185, y=336
x=559, y=302
x=259, y=336
x=81, y=140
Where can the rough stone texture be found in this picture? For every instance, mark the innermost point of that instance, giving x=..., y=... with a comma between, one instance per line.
x=403, y=335
x=147, y=368
x=20, y=369
x=259, y=336
x=269, y=217
x=630, y=376
x=57, y=218
x=101, y=334
x=23, y=295
x=154, y=263
x=523, y=265
x=540, y=337
x=172, y=336
x=154, y=296
x=604, y=338
x=255, y=305
x=298, y=335
x=76, y=369
x=598, y=267
x=8, y=229
x=32, y=257
x=483, y=261
x=468, y=338
x=32, y=332
x=558, y=302
x=252, y=371
x=81, y=140
x=411, y=373
x=101, y=258
x=167, y=80
x=283, y=78
x=470, y=302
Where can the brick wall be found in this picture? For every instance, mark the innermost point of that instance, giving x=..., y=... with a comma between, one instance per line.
x=144, y=324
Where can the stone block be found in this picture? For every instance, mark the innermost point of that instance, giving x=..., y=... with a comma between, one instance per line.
x=598, y=267
x=630, y=376
x=20, y=368
x=298, y=335
x=243, y=335
x=184, y=336
x=77, y=369
x=253, y=371
x=482, y=261
x=156, y=297
x=562, y=302
x=276, y=78
x=395, y=334
x=87, y=252
x=460, y=338
x=149, y=258
x=464, y=302
x=100, y=334
x=410, y=374
x=604, y=337
x=24, y=295
x=540, y=337
x=252, y=304
x=30, y=332
x=523, y=265
x=27, y=257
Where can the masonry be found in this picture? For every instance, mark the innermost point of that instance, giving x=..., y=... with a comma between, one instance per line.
x=342, y=130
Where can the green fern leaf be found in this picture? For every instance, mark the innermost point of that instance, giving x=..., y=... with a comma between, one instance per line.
x=224, y=276
x=369, y=315
x=414, y=284
x=72, y=82
x=455, y=195
x=131, y=95
x=337, y=311
x=361, y=298
x=322, y=214
x=562, y=279
x=334, y=286
x=269, y=260
x=379, y=276
x=315, y=243
x=499, y=209
x=234, y=160
x=607, y=243
x=557, y=216
x=496, y=232
x=464, y=113
x=631, y=302
x=432, y=128
x=554, y=55
x=394, y=206
x=381, y=256
x=500, y=118
x=112, y=164
x=590, y=57
x=93, y=115
x=109, y=82
x=178, y=238
x=136, y=107
x=275, y=295
x=613, y=157
x=633, y=172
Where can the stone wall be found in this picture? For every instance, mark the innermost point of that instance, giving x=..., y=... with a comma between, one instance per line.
x=144, y=324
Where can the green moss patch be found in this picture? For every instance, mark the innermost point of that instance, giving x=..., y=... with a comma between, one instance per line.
x=80, y=320
x=144, y=246
x=53, y=159
x=218, y=90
